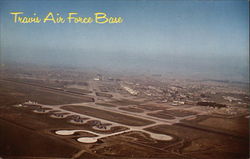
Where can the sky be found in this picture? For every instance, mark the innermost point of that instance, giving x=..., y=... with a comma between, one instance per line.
x=190, y=36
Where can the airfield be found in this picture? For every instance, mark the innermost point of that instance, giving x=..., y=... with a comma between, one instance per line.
x=47, y=120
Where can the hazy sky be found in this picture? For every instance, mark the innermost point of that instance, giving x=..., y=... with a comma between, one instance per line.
x=155, y=35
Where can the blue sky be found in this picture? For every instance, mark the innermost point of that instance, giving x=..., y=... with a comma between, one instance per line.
x=153, y=31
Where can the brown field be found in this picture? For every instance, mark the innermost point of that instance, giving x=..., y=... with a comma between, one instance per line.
x=144, y=138
x=39, y=82
x=84, y=91
x=149, y=107
x=162, y=115
x=15, y=93
x=170, y=114
x=203, y=143
x=132, y=109
x=133, y=145
x=106, y=104
x=124, y=102
x=116, y=117
x=179, y=113
x=19, y=141
x=239, y=125
x=100, y=94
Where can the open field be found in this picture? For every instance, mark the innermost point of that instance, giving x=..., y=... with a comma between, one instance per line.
x=116, y=117
x=125, y=102
x=132, y=109
x=18, y=93
x=149, y=107
x=19, y=141
x=100, y=94
x=162, y=115
x=238, y=125
x=201, y=144
x=106, y=104
x=179, y=113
